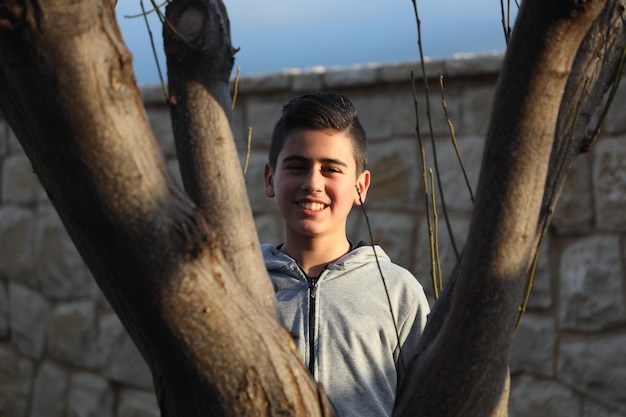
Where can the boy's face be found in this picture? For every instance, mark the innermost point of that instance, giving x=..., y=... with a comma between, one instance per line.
x=315, y=182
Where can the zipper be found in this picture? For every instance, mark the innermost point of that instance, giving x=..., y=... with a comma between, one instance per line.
x=312, y=290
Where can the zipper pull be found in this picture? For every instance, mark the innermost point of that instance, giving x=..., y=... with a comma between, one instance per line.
x=312, y=287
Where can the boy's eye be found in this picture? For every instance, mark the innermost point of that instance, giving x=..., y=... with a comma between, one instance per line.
x=331, y=169
x=295, y=167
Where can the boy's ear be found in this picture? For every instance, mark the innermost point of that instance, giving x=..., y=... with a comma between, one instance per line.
x=268, y=174
x=362, y=185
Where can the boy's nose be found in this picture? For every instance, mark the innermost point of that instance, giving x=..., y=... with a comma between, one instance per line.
x=313, y=181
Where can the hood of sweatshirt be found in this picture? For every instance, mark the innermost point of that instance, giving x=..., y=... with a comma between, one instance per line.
x=275, y=260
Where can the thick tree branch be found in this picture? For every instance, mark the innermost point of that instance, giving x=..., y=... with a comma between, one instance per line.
x=68, y=92
x=200, y=59
x=593, y=73
x=595, y=68
x=466, y=363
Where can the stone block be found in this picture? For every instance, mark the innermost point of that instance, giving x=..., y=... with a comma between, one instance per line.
x=534, y=346
x=433, y=67
x=41, y=195
x=615, y=123
x=349, y=77
x=402, y=114
x=394, y=180
x=174, y=171
x=13, y=144
x=238, y=125
x=255, y=184
x=49, y=399
x=400, y=72
x=455, y=189
x=102, y=304
x=574, y=210
x=19, y=182
x=90, y=396
x=60, y=270
x=403, y=111
x=597, y=367
x=378, y=125
x=133, y=403
x=16, y=375
x=17, y=253
x=609, y=178
x=267, y=82
x=160, y=121
x=309, y=81
x=122, y=361
x=591, y=284
x=73, y=335
x=393, y=231
x=541, y=292
x=356, y=226
x=4, y=135
x=447, y=256
x=270, y=229
x=472, y=65
x=533, y=397
x=29, y=315
x=477, y=103
x=4, y=311
x=262, y=114
x=152, y=95
x=597, y=410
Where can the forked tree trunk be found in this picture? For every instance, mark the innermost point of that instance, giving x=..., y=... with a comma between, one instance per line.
x=187, y=280
x=69, y=94
x=531, y=143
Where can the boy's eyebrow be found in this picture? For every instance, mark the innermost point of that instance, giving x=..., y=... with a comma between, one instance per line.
x=300, y=158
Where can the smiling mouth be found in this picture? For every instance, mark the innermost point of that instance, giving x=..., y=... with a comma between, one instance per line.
x=307, y=205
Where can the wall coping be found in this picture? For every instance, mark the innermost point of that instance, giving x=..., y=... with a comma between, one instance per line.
x=320, y=78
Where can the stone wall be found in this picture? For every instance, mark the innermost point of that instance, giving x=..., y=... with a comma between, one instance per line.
x=64, y=353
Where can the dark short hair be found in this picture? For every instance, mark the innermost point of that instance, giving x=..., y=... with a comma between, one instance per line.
x=319, y=111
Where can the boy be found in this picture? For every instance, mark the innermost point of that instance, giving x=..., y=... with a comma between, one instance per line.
x=331, y=295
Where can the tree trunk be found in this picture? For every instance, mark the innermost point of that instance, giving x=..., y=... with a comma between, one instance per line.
x=463, y=365
x=68, y=92
x=183, y=270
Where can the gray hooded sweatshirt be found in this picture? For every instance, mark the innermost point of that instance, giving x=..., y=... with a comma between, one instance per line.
x=343, y=327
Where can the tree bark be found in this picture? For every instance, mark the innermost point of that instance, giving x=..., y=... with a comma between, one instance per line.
x=68, y=92
x=463, y=365
x=199, y=61
x=183, y=274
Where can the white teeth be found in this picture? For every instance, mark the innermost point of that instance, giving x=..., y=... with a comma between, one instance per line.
x=311, y=206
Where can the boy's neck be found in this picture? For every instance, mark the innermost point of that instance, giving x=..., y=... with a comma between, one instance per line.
x=314, y=254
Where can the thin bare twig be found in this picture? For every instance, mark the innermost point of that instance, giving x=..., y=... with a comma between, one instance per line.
x=245, y=166
x=425, y=184
x=382, y=277
x=432, y=136
x=154, y=52
x=437, y=266
x=236, y=88
x=155, y=9
x=453, y=137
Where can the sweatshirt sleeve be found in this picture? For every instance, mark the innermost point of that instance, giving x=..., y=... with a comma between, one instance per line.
x=411, y=326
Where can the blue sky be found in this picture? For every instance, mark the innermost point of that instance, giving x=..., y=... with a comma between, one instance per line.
x=279, y=34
